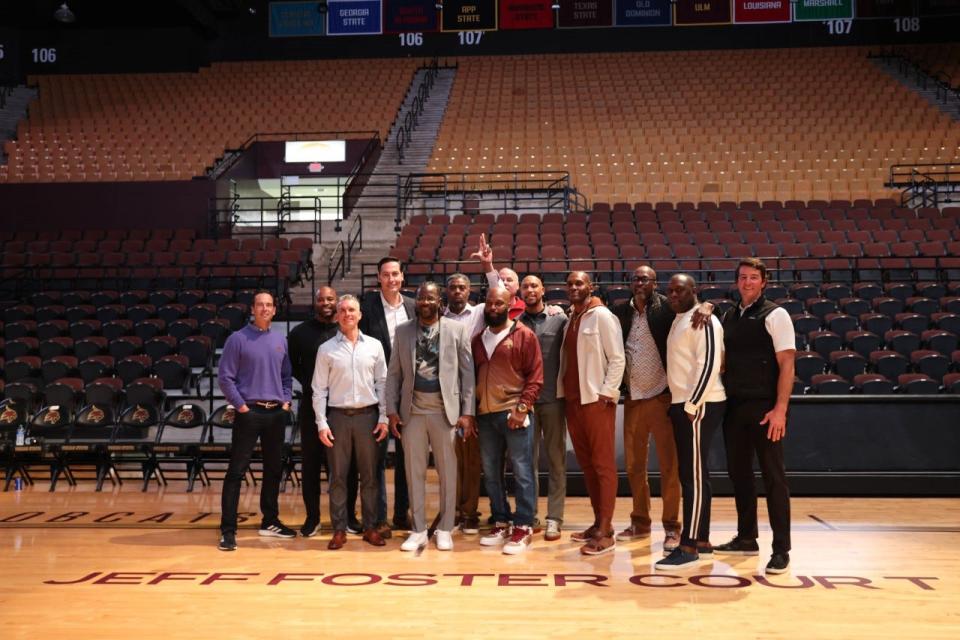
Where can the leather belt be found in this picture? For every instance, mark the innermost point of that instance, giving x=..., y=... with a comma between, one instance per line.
x=356, y=411
x=267, y=404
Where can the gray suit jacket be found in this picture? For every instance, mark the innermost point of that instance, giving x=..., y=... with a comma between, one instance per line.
x=456, y=370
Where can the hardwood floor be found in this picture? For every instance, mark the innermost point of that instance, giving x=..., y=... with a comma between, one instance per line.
x=80, y=564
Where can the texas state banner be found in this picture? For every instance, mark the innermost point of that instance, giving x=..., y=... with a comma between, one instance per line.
x=761, y=11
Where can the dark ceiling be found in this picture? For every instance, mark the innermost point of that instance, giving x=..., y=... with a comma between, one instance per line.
x=207, y=16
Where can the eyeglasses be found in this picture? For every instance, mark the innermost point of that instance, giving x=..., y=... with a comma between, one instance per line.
x=643, y=279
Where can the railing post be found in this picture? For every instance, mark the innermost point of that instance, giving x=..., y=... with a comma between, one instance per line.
x=396, y=222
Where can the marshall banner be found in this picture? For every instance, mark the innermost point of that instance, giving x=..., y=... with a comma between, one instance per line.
x=822, y=9
x=761, y=11
x=643, y=13
x=526, y=14
x=885, y=8
x=585, y=13
x=700, y=12
x=353, y=17
x=469, y=15
x=403, y=16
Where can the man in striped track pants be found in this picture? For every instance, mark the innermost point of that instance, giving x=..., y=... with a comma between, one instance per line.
x=698, y=401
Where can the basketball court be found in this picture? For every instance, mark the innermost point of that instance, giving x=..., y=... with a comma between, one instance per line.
x=121, y=563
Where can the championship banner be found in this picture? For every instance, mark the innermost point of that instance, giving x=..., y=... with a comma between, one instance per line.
x=353, y=17
x=884, y=8
x=526, y=14
x=761, y=11
x=405, y=16
x=295, y=19
x=822, y=10
x=939, y=7
x=585, y=13
x=469, y=15
x=701, y=12
x=643, y=13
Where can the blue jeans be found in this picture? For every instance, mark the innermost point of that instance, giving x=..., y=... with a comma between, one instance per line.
x=494, y=435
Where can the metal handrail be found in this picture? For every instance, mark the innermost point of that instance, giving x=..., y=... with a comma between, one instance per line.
x=412, y=118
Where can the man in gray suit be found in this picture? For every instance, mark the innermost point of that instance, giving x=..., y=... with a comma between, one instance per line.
x=430, y=387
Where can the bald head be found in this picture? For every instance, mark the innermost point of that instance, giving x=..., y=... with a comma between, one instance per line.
x=496, y=307
x=510, y=280
x=682, y=293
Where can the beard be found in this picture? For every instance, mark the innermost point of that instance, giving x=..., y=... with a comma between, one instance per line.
x=495, y=319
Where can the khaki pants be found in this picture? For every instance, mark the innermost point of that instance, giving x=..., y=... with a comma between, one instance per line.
x=641, y=419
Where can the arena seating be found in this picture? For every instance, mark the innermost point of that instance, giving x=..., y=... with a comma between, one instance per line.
x=127, y=333
x=695, y=125
x=172, y=126
x=873, y=289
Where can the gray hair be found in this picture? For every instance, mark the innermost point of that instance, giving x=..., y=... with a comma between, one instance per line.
x=347, y=297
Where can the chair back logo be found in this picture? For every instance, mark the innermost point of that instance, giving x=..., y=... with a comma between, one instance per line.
x=9, y=415
x=140, y=415
x=52, y=417
x=96, y=414
x=229, y=416
x=185, y=415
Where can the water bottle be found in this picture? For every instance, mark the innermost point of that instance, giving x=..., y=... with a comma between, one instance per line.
x=21, y=435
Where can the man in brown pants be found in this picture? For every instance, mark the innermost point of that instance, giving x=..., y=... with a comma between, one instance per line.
x=646, y=321
x=591, y=367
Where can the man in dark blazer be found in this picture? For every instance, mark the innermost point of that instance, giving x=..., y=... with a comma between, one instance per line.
x=381, y=312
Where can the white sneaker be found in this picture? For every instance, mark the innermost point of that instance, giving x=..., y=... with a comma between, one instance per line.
x=443, y=540
x=414, y=541
x=519, y=541
x=497, y=536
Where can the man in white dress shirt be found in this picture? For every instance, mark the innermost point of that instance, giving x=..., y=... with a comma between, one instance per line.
x=350, y=404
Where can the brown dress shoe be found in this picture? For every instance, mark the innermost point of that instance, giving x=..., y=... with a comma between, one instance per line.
x=633, y=532
x=385, y=531
x=338, y=540
x=370, y=536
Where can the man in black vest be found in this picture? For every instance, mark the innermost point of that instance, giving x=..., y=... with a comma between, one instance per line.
x=760, y=347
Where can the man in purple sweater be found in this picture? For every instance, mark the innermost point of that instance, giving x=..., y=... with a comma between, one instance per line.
x=256, y=377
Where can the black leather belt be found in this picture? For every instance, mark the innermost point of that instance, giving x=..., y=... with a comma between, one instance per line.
x=356, y=411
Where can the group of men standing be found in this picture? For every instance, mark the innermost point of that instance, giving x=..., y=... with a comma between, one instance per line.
x=477, y=385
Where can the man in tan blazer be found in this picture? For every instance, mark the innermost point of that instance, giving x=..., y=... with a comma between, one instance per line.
x=430, y=397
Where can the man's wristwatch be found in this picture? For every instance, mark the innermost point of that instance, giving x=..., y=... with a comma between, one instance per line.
x=522, y=407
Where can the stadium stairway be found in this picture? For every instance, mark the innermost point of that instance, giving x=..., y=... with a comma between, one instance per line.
x=927, y=89
x=13, y=111
x=378, y=202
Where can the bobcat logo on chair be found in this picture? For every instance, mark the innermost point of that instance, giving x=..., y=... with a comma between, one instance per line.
x=9, y=415
x=95, y=415
x=140, y=415
x=52, y=417
x=229, y=416
x=185, y=415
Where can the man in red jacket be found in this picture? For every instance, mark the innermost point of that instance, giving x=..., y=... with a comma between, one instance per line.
x=509, y=378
